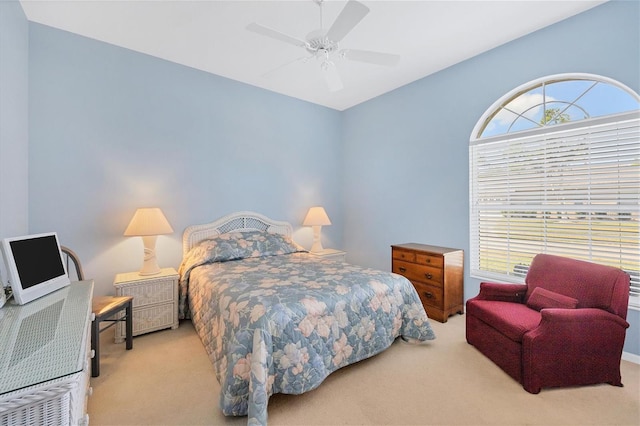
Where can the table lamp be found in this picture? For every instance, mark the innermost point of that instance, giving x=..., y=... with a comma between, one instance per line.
x=316, y=218
x=148, y=223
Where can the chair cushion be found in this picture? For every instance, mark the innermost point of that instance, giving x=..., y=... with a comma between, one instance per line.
x=511, y=319
x=542, y=298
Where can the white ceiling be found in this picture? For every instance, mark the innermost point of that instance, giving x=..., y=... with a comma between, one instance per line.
x=211, y=36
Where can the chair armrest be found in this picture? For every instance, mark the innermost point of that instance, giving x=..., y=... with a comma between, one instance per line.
x=553, y=317
x=570, y=326
x=502, y=292
x=573, y=346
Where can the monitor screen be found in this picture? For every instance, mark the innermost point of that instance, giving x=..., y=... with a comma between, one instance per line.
x=44, y=251
x=34, y=265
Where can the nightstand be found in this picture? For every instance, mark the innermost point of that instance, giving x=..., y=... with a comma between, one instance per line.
x=155, y=300
x=330, y=254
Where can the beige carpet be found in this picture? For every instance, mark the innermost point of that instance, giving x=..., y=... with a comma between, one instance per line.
x=167, y=379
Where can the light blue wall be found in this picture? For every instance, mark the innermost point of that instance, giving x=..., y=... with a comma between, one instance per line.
x=14, y=134
x=113, y=130
x=406, y=152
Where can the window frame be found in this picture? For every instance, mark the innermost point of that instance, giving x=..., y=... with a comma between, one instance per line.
x=476, y=139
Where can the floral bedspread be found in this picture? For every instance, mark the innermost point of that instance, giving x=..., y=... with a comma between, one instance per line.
x=282, y=323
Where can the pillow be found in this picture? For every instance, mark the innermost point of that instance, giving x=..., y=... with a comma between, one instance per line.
x=541, y=298
x=240, y=245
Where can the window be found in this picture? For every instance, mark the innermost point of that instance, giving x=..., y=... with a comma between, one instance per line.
x=554, y=168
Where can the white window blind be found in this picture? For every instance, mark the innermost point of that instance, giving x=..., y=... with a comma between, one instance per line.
x=572, y=191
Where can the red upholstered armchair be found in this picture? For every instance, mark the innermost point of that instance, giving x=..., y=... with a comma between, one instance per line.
x=565, y=327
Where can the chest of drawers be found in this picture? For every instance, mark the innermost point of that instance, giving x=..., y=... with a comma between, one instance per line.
x=437, y=274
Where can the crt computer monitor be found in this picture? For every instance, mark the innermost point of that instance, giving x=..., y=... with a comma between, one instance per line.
x=35, y=266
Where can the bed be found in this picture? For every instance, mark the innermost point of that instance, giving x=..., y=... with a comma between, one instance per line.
x=274, y=319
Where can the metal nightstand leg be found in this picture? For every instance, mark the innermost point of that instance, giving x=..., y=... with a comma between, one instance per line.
x=95, y=346
x=129, y=325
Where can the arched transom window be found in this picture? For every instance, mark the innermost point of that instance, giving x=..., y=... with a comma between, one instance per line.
x=555, y=168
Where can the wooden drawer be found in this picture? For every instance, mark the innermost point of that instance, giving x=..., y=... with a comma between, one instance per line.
x=416, y=272
x=430, y=296
x=408, y=256
x=425, y=259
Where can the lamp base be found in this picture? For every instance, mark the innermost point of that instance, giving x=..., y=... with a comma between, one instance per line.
x=317, y=239
x=150, y=264
x=151, y=270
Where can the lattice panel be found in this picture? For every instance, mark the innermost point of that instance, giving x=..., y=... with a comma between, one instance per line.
x=240, y=221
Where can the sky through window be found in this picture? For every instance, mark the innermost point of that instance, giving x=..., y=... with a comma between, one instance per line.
x=564, y=100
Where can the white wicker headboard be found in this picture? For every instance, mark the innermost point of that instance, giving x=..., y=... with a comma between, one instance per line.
x=235, y=222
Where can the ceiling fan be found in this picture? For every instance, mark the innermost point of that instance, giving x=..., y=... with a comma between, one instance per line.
x=323, y=45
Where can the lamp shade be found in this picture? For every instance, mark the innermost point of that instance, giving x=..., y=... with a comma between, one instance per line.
x=148, y=221
x=316, y=216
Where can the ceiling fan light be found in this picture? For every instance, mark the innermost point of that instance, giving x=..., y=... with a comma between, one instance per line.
x=331, y=76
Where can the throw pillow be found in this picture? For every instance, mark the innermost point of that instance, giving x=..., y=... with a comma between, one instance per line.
x=541, y=298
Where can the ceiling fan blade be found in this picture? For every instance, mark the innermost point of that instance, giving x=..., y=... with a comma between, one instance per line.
x=274, y=71
x=352, y=13
x=331, y=76
x=266, y=31
x=376, y=58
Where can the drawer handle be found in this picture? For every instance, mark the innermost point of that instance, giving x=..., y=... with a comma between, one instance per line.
x=402, y=269
x=429, y=295
x=429, y=276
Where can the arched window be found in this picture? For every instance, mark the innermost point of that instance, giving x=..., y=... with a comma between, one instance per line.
x=554, y=168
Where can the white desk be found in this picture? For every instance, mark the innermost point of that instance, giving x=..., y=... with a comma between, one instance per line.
x=44, y=358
